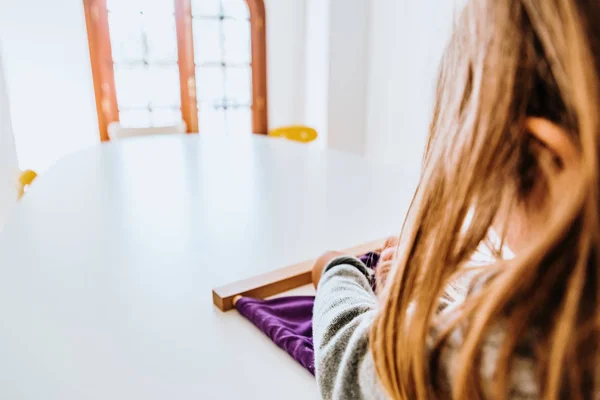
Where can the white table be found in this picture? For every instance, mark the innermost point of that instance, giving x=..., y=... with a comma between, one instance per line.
x=106, y=268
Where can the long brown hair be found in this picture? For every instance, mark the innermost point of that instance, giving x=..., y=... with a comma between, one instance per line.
x=507, y=60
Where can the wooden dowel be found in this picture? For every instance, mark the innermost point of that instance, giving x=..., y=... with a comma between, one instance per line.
x=236, y=298
x=280, y=280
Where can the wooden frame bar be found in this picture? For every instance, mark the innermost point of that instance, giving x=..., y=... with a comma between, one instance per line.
x=258, y=37
x=96, y=19
x=280, y=280
x=187, y=67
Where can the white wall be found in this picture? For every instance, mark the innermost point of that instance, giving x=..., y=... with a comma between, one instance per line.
x=337, y=53
x=8, y=152
x=348, y=67
x=371, y=68
x=49, y=78
x=50, y=83
x=317, y=67
x=406, y=43
x=285, y=61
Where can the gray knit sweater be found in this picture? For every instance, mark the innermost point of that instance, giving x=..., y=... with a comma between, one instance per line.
x=345, y=308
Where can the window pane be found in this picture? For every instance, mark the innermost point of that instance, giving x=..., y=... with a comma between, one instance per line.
x=239, y=121
x=126, y=36
x=165, y=116
x=134, y=118
x=161, y=37
x=131, y=86
x=124, y=6
x=210, y=84
x=163, y=86
x=236, y=8
x=156, y=7
x=211, y=120
x=238, y=85
x=222, y=49
x=236, y=35
x=207, y=40
x=206, y=7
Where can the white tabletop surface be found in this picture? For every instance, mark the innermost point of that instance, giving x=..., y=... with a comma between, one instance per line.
x=107, y=265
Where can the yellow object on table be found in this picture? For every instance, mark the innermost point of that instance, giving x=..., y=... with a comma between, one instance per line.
x=297, y=133
x=25, y=180
x=13, y=183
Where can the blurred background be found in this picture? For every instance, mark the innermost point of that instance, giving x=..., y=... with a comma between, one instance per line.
x=360, y=72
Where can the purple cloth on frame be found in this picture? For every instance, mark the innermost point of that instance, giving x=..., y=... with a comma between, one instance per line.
x=287, y=321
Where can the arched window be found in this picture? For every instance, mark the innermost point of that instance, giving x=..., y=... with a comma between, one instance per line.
x=156, y=62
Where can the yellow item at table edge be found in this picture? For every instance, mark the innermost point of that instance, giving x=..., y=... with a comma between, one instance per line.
x=25, y=180
x=297, y=133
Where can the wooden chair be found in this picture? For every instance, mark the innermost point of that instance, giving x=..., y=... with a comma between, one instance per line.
x=297, y=133
x=116, y=131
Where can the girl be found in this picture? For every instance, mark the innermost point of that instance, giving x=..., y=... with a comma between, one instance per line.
x=513, y=149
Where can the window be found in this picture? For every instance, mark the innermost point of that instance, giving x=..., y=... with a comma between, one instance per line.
x=157, y=62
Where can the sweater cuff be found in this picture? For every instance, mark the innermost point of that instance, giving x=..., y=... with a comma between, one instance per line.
x=352, y=261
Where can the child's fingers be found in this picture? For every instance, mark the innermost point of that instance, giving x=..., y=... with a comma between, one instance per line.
x=392, y=241
x=385, y=260
x=388, y=254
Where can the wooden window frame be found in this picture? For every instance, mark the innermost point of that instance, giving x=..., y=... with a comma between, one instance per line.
x=96, y=17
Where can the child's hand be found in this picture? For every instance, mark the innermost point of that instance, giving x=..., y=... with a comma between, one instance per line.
x=389, y=249
x=388, y=253
x=321, y=263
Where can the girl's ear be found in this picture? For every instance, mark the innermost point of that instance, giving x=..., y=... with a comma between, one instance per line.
x=556, y=140
x=558, y=160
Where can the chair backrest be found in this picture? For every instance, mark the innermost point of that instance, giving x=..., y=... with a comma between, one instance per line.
x=297, y=133
x=116, y=131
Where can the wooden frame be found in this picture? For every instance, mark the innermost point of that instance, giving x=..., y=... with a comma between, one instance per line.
x=96, y=20
x=280, y=280
x=187, y=67
x=103, y=70
x=258, y=37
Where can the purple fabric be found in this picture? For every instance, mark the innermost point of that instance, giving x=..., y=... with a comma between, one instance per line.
x=287, y=321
